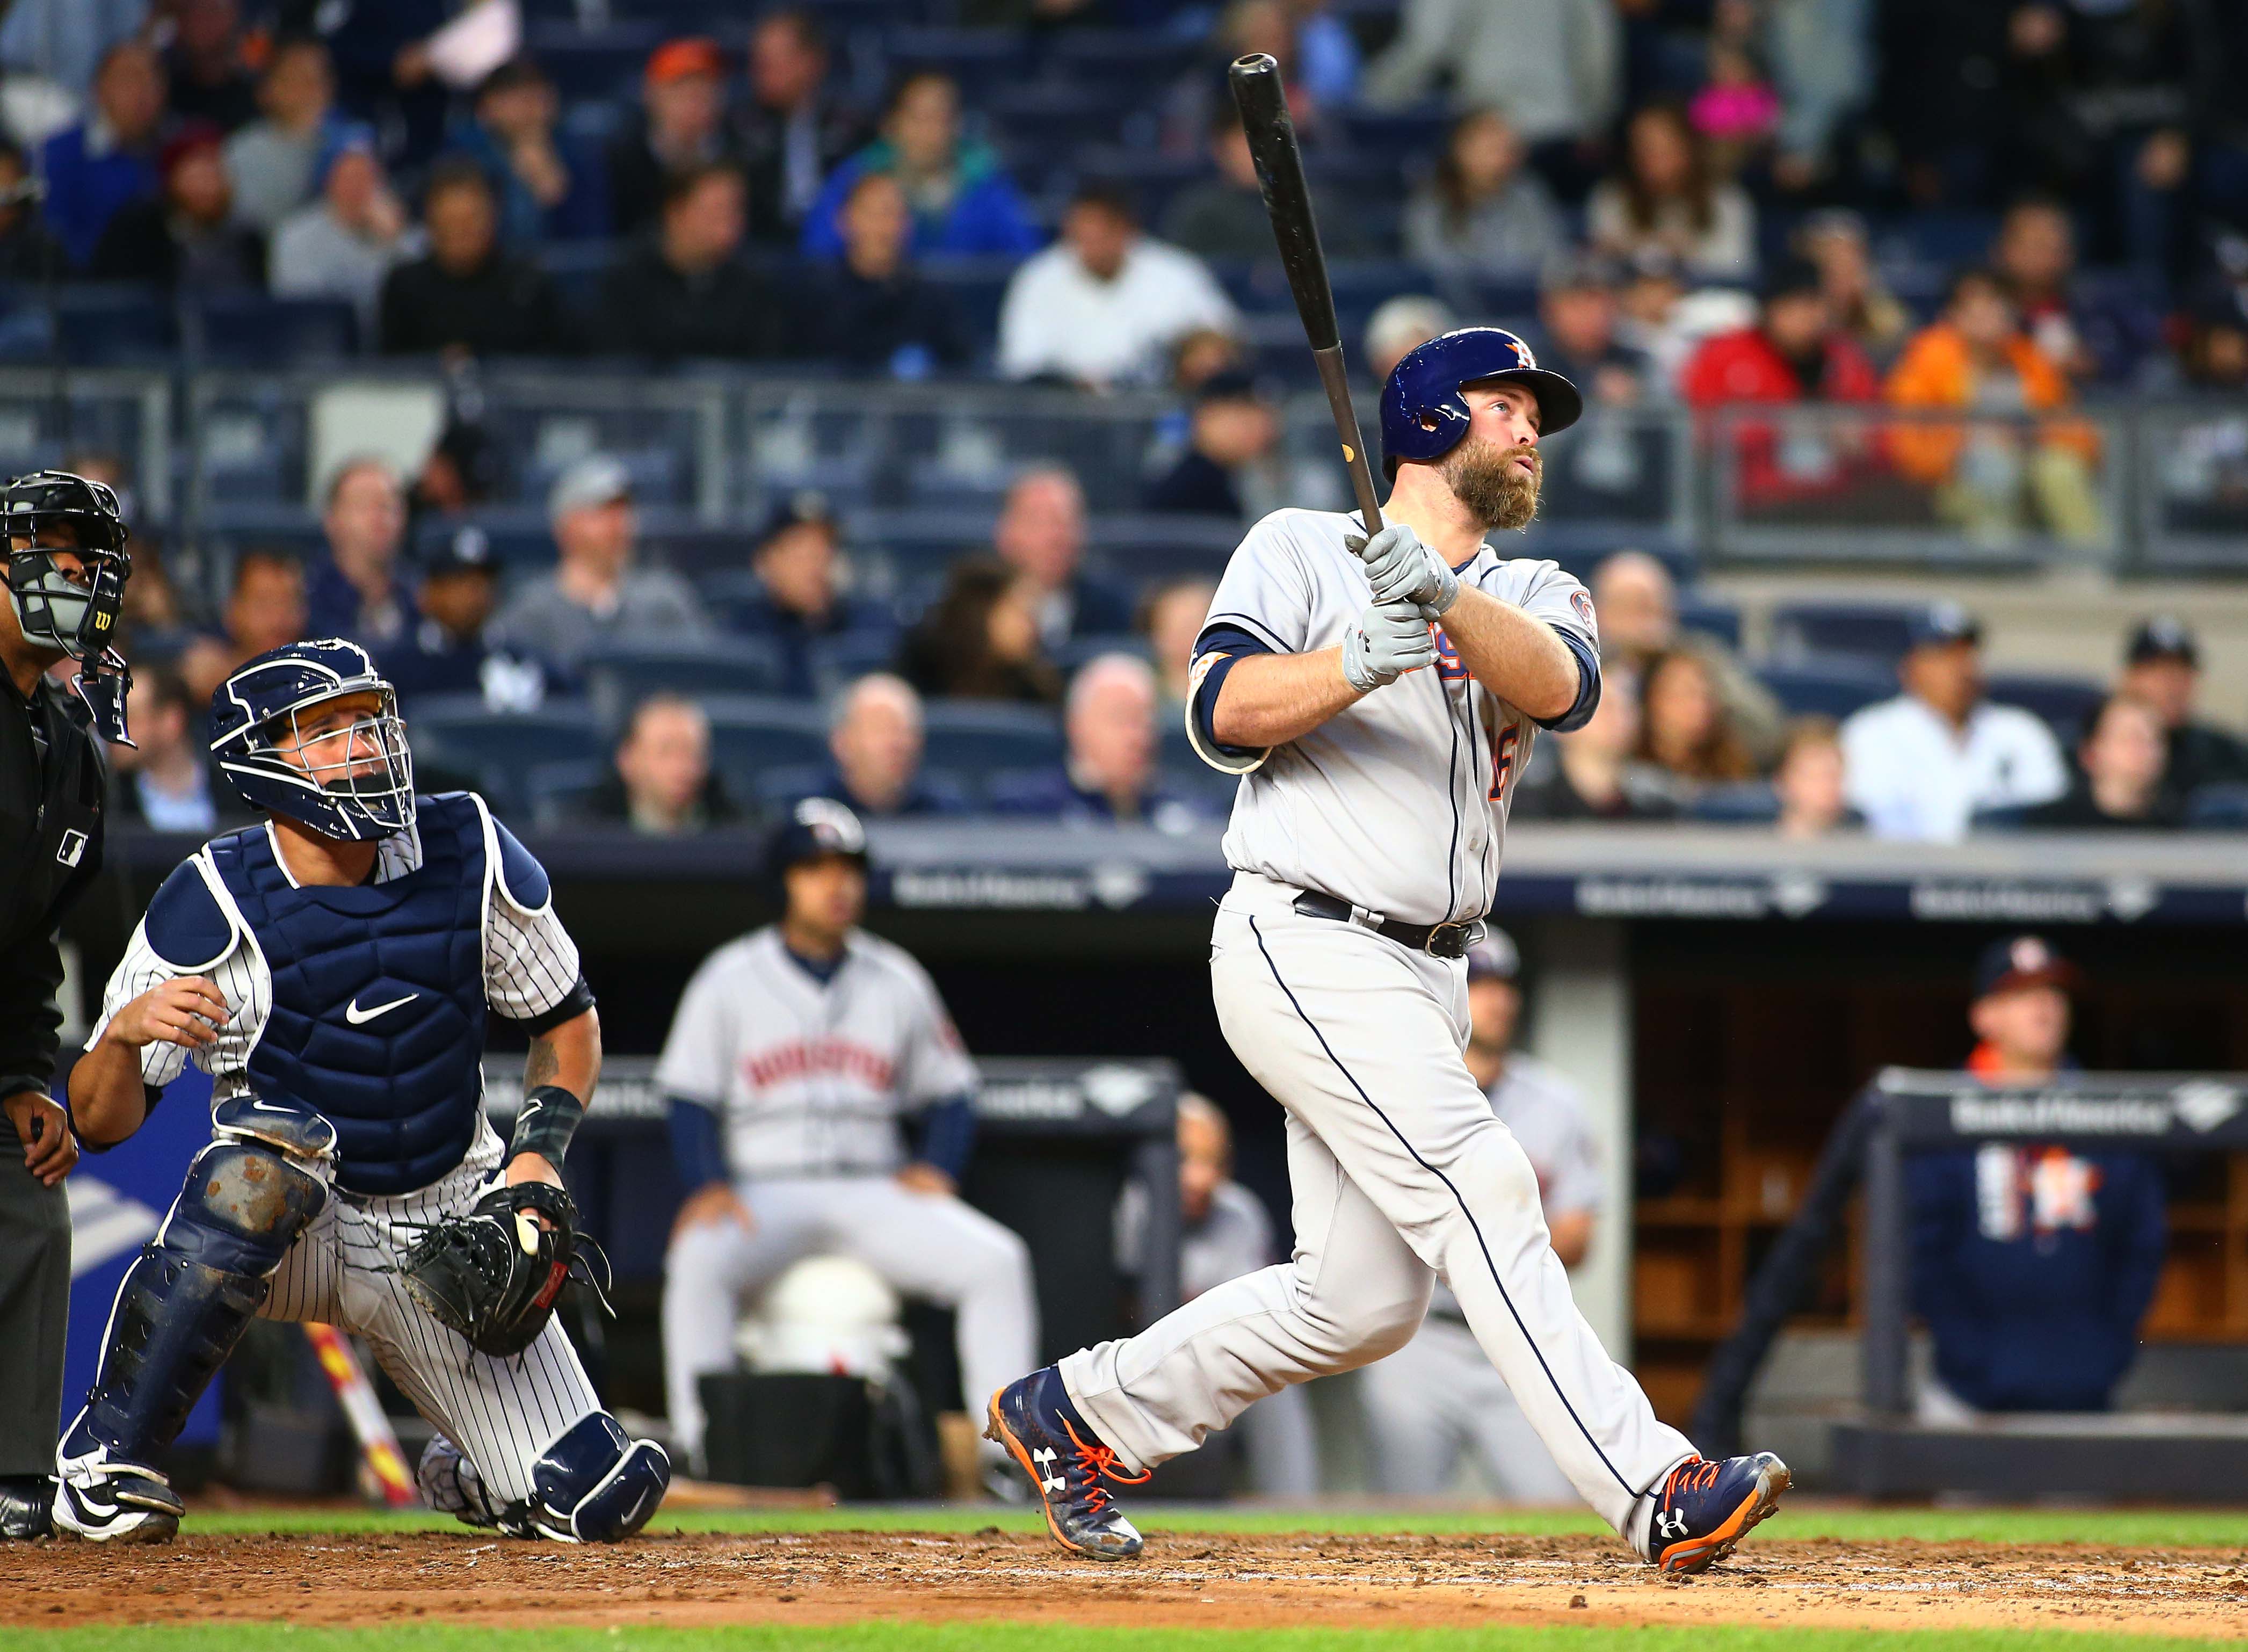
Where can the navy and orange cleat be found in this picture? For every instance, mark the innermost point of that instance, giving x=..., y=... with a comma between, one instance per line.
x=1704, y=1509
x=1066, y=1462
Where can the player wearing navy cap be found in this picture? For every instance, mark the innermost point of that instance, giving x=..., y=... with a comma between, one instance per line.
x=1379, y=735
x=333, y=970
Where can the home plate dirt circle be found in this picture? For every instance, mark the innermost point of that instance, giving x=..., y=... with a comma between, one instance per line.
x=1238, y=1581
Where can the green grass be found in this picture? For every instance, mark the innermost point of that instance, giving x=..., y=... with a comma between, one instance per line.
x=987, y=1637
x=2112, y=1528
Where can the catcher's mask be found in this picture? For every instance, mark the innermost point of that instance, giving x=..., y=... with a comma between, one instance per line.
x=74, y=607
x=352, y=780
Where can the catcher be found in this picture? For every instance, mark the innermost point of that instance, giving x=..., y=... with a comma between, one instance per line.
x=332, y=970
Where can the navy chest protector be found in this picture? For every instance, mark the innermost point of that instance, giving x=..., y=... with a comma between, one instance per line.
x=377, y=1018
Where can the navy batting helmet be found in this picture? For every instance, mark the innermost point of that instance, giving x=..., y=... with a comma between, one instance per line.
x=815, y=828
x=1423, y=415
x=364, y=785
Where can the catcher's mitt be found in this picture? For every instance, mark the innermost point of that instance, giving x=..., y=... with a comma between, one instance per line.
x=493, y=1272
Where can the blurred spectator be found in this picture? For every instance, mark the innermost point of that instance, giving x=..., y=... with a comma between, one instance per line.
x=264, y=609
x=1224, y=1232
x=549, y=187
x=660, y=782
x=1994, y=479
x=1225, y=217
x=979, y=640
x=2214, y=355
x=2162, y=671
x=354, y=589
x=469, y=295
x=794, y=130
x=1666, y=199
x=64, y=41
x=680, y=126
x=447, y=650
x=1683, y=732
x=210, y=82
x=1924, y=764
x=2119, y=782
x=1105, y=304
x=874, y=313
x=1590, y=775
x=1480, y=217
x=1822, y=59
x=2034, y=257
x=1230, y=458
x=1040, y=535
x=1202, y=355
x=1172, y=619
x=166, y=784
x=1794, y=355
x=345, y=244
x=1638, y=607
x=684, y=292
x=1110, y=773
x=187, y=238
x=961, y=200
x=1399, y=325
x=1808, y=782
x=800, y=602
x=273, y=162
x=877, y=738
x=384, y=74
x=1862, y=309
x=1438, y=1402
x=109, y=160
x=1554, y=66
x=1327, y=60
x=465, y=469
x=29, y=252
x=596, y=595
x=1576, y=334
x=2032, y=1266
x=1736, y=112
x=1244, y=28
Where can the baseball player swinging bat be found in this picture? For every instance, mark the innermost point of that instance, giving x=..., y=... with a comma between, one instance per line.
x=1379, y=745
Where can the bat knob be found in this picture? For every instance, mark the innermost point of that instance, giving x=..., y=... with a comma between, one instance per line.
x=1256, y=63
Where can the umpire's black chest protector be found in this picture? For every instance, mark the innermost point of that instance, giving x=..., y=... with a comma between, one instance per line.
x=378, y=1012
x=50, y=816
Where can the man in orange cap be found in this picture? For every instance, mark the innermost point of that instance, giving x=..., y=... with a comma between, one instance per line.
x=682, y=125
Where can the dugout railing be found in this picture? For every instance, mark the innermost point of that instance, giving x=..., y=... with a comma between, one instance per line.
x=1890, y=1451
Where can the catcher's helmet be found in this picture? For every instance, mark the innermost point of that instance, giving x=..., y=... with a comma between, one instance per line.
x=52, y=610
x=1423, y=415
x=363, y=787
x=816, y=827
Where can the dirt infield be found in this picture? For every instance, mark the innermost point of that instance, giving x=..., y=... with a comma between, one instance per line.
x=1209, y=1580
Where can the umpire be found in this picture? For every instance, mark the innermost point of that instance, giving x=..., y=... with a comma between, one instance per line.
x=67, y=572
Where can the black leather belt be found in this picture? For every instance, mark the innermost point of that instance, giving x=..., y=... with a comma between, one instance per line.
x=1437, y=940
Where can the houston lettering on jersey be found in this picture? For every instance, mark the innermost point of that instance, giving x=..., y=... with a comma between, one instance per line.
x=816, y=1057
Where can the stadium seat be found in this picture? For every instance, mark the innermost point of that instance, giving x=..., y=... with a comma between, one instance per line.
x=1749, y=803
x=977, y=737
x=619, y=675
x=2065, y=702
x=1711, y=617
x=556, y=792
x=2217, y=808
x=1877, y=631
x=606, y=62
x=251, y=330
x=500, y=747
x=975, y=57
x=107, y=324
x=751, y=735
x=1830, y=685
x=519, y=535
x=1075, y=652
x=1150, y=549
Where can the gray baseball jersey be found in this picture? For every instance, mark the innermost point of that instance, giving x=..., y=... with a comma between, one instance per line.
x=1398, y=804
x=809, y=1079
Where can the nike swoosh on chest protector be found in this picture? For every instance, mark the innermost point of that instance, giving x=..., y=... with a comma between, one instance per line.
x=358, y=1016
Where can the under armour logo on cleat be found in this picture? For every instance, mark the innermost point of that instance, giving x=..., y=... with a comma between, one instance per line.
x=1044, y=1458
x=1672, y=1526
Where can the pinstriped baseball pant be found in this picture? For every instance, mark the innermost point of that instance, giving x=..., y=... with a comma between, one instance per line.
x=1399, y=1173
x=342, y=1271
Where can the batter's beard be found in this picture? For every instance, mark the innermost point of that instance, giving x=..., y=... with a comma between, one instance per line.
x=1490, y=486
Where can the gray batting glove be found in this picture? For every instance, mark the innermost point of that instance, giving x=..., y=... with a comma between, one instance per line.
x=1401, y=569
x=1389, y=639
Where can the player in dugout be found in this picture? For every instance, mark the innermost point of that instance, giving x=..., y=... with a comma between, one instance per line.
x=792, y=1053
x=66, y=570
x=2031, y=1264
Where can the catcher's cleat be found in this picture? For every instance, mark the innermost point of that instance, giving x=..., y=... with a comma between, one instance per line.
x=1058, y=1449
x=112, y=1502
x=1704, y=1509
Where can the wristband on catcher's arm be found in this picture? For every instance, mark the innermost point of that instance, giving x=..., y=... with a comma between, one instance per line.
x=550, y=1117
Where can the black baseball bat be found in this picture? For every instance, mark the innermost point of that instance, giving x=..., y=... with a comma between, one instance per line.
x=1264, y=105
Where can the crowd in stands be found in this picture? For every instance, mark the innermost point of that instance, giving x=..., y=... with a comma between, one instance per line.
x=2003, y=214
